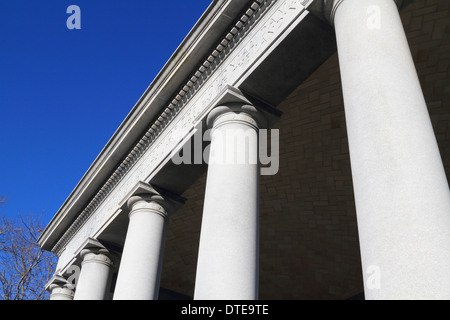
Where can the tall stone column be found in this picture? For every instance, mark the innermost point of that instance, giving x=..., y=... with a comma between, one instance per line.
x=95, y=276
x=227, y=266
x=401, y=191
x=140, y=266
x=60, y=289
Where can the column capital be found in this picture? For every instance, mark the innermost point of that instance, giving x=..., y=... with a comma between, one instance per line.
x=157, y=200
x=239, y=112
x=330, y=7
x=92, y=251
x=233, y=100
x=152, y=203
x=60, y=288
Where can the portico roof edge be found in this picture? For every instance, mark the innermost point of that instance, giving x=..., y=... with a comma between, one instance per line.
x=199, y=42
x=206, y=32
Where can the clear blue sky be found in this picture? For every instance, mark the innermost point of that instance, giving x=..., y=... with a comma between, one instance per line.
x=63, y=93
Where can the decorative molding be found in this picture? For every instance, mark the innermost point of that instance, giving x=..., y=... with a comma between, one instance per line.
x=330, y=7
x=211, y=77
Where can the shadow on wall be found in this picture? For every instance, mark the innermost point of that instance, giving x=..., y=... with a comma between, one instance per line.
x=166, y=294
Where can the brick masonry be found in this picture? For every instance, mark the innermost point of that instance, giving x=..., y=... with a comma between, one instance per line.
x=309, y=235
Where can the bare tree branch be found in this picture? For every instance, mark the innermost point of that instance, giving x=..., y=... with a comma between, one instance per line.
x=3, y=200
x=24, y=267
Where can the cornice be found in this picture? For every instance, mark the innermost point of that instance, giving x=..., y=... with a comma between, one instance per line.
x=193, y=83
x=186, y=56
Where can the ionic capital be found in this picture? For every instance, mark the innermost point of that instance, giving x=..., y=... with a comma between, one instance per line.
x=92, y=251
x=146, y=197
x=234, y=105
x=150, y=202
x=60, y=288
x=236, y=112
x=330, y=8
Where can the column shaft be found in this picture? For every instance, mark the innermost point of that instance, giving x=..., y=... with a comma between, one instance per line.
x=227, y=265
x=95, y=276
x=140, y=267
x=401, y=192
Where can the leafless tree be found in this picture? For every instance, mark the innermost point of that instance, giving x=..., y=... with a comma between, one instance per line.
x=2, y=200
x=3, y=228
x=24, y=266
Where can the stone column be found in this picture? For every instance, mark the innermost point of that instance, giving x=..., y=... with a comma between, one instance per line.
x=401, y=191
x=95, y=276
x=227, y=266
x=140, y=266
x=60, y=289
